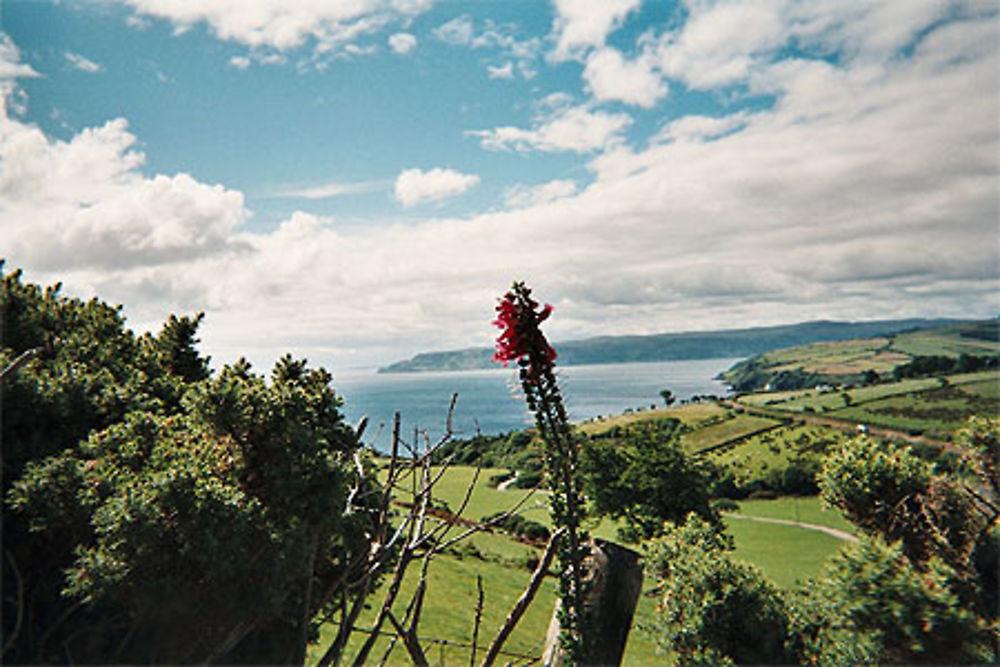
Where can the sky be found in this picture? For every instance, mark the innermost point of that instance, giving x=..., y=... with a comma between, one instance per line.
x=358, y=181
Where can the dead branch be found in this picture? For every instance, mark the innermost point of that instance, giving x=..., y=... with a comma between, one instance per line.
x=526, y=597
x=410, y=642
x=478, y=619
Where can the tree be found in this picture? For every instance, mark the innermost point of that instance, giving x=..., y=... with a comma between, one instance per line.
x=645, y=479
x=668, y=397
x=174, y=348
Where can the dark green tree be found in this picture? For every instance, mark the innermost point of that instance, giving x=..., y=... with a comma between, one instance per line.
x=175, y=348
x=645, y=479
x=668, y=397
x=154, y=513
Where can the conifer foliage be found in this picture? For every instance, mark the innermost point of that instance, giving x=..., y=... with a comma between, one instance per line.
x=155, y=512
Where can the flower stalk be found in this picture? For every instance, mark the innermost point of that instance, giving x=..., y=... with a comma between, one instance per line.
x=522, y=341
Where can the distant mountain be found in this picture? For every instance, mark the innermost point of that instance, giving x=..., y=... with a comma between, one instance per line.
x=675, y=346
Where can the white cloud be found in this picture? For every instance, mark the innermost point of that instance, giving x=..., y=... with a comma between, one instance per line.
x=696, y=128
x=239, y=62
x=719, y=42
x=281, y=25
x=458, y=31
x=576, y=129
x=414, y=186
x=330, y=190
x=356, y=50
x=520, y=196
x=505, y=71
x=520, y=54
x=11, y=67
x=611, y=78
x=83, y=64
x=402, y=42
x=84, y=203
x=582, y=24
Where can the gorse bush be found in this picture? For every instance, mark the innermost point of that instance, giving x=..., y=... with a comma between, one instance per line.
x=155, y=513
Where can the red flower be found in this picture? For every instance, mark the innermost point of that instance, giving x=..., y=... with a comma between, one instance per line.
x=520, y=339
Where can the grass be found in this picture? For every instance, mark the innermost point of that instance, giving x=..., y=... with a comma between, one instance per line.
x=785, y=554
x=449, y=610
x=807, y=509
x=691, y=414
x=938, y=412
x=738, y=426
x=942, y=342
x=774, y=450
x=788, y=555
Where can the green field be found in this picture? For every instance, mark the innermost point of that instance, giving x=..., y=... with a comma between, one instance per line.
x=808, y=509
x=848, y=361
x=786, y=554
x=759, y=455
x=736, y=427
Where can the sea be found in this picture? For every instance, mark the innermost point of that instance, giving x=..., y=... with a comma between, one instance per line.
x=490, y=401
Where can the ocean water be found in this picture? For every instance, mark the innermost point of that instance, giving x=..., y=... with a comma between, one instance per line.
x=490, y=401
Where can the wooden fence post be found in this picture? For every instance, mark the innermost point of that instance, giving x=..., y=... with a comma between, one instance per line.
x=614, y=578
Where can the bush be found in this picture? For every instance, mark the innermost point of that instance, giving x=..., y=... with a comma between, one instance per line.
x=713, y=609
x=519, y=526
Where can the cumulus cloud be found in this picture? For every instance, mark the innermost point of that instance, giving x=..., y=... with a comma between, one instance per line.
x=505, y=71
x=239, y=62
x=519, y=54
x=85, y=203
x=11, y=67
x=574, y=129
x=280, y=25
x=696, y=128
x=458, y=31
x=414, y=186
x=582, y=24
x=610, y=77
x=402, y=42
x=719, y=42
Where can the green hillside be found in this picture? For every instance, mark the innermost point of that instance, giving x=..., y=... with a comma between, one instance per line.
x=956, y=347
x=675, y=346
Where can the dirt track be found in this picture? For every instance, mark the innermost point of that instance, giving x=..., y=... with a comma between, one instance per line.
x=833, y=532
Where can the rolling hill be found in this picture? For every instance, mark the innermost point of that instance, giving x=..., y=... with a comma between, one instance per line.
x=677, y=346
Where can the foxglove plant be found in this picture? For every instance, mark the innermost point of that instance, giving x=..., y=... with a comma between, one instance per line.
x=521, y=341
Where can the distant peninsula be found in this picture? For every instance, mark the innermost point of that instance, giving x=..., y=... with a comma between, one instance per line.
x=675, y=346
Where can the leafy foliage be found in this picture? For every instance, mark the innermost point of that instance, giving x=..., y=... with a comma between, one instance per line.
x=712, y=609
x=646, y=479
x=875, y=606
x=156, y=513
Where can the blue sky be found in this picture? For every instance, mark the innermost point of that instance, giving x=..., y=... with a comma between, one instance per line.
x=358, y=181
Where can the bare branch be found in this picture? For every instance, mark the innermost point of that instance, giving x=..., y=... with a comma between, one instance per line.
x=24, y=358
x=489, y=524
x=410, y=642
x=478, y=620
x=526, y=597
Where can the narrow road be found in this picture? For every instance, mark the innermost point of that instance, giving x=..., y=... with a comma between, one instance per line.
x=502, y=486
x=833, y=532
